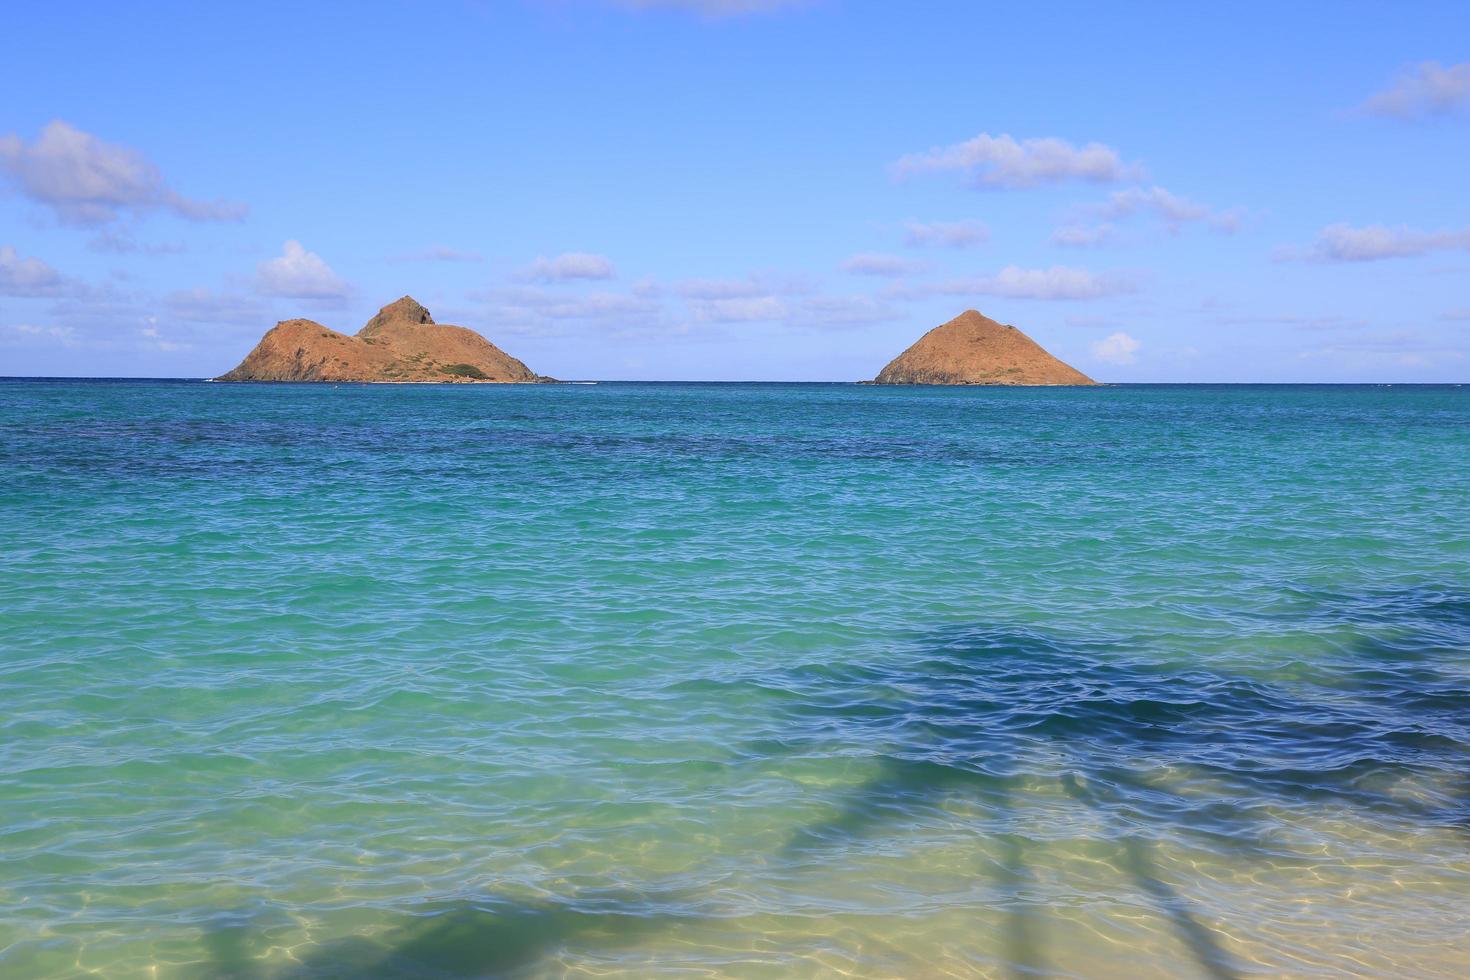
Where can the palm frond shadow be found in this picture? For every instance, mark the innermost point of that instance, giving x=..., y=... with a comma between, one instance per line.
x=489, y=939
x=970, y=716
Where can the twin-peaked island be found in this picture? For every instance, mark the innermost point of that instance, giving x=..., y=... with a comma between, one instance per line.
x=403, y=343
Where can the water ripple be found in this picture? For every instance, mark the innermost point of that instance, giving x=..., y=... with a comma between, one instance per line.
x=733, y=681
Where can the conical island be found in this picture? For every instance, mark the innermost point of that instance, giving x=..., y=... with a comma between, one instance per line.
x=973, y=349
x=401, y=343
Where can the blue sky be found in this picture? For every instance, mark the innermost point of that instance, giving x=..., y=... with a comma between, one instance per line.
x=743, y=189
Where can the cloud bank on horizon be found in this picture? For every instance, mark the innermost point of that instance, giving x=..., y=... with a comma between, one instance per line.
x=832, y=208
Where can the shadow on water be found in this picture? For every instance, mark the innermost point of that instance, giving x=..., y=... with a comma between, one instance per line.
x=991, y=714
x=1137, y=860
x=1180, y=750
x=445, y=940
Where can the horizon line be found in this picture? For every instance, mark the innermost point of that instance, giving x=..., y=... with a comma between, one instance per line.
x=190, y=379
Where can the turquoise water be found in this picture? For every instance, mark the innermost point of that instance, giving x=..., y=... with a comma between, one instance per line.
x=733, y=680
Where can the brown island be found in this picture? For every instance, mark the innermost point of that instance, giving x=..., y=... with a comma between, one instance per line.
x=401, y=344
x=973, y=349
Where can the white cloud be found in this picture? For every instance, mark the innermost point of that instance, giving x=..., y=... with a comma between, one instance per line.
x=1425, y=89
x=1014, y=282
x=97, y=311
x=952, y=234
x=1057, y=282
x=1345, y=243
x=718, y=288
x=809, y=311
x=1166, y=206
x=704, y=307
x=600, y=305
x=122, y=243
x=30, y=334
x=750, y=286
x=1093, y=224
x=1298, y=321
x=20, y=276
x=202, y=305
x=745, y=309
x=87, y=181
x=1373, y=351
x=299, y=274
x=760, y=297
x=567, y=267
x=533, y=309
x=1116, y=348
x=157, y=340
x=1083, y=236
x=842, y=311
x=1003, y=161
x=869, y=264
x=1228, y=221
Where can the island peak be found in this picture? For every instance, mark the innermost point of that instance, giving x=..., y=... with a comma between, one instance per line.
x=973, y=349
x=405, y=308
x=401, y=343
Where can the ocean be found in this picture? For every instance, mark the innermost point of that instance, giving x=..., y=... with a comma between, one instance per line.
x=717, y=680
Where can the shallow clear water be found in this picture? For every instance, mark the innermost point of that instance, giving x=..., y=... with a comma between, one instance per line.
x=727, y=680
